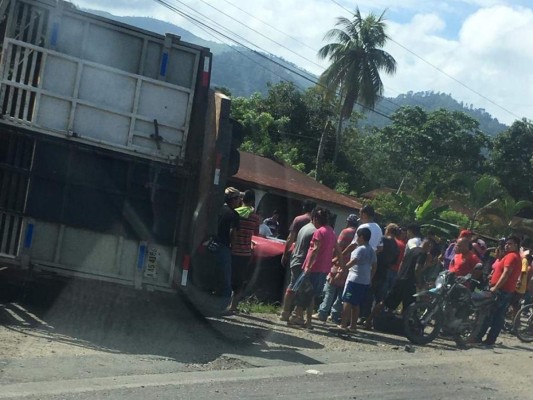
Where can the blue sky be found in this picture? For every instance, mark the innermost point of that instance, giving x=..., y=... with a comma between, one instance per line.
x=483, y=44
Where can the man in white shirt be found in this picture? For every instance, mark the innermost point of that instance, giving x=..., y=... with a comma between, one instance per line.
x=366, y=220
x=413, y=236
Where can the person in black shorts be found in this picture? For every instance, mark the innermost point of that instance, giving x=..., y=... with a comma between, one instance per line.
x=405, y=286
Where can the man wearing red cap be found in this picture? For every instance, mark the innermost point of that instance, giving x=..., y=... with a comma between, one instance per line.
x=465, y=259
x=449, y=254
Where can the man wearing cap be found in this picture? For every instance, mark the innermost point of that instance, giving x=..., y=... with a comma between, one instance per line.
x=228, y=220
x=367, y=215
x=480, y=248
x=337, y=277
x=450, y=250
x=241, y=247
x=465, y=259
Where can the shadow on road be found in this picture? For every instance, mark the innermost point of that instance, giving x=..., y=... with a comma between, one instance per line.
x=113, y=319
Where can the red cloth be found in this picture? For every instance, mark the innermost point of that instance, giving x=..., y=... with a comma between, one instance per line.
x=512, y=261
x=265, y=248
x=464, y=265
x=401, y=249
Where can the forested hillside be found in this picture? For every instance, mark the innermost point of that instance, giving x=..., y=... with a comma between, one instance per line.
x=431, y=101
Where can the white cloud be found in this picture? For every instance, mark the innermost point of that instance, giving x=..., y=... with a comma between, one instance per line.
x=489, y=53
x=490, y=56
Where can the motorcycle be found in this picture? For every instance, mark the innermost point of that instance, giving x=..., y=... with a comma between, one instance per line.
x=451, y=308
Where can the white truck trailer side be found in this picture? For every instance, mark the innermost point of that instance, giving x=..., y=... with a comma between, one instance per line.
x=113, y=149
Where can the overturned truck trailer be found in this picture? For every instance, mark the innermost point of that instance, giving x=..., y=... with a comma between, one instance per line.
x=113, y=149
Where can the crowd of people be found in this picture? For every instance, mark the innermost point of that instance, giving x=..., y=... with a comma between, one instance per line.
x=366, y=271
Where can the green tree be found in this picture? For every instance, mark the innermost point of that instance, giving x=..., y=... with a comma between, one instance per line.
x=397, y=208
x=357, y=58
x=428, y=151
x=512, y=159
x=285, y=124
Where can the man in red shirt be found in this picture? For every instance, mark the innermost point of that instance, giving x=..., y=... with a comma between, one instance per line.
x=505, y=274
x=465, y=259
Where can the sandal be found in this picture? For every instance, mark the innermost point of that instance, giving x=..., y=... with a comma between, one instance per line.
x=284, y=317
x=342, y=328
x=294, y=320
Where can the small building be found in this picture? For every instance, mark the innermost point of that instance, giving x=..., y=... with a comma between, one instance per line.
x=279, y=186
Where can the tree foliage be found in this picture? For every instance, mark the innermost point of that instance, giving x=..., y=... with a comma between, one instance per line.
x=512, y=159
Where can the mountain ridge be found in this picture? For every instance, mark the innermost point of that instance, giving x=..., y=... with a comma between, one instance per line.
x=245, y=72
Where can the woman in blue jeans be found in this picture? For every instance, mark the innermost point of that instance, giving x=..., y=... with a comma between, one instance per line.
x=332, y=302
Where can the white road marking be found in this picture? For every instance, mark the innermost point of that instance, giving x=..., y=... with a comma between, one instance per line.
x=15, y=315
x=35, y=317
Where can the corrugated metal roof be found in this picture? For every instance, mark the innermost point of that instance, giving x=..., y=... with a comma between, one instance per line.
x=280, y=176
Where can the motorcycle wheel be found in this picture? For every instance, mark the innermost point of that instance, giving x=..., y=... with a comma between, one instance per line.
x=420, y=329
x=523, y=324
x=471, y=329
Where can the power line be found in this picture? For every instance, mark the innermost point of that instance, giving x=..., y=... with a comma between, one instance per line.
x=259, y=33
x=185, y=15
x=456, y=80
x=206, y=28
x=265, y=23
x=438, y=69
x=271, y=26
x=264, y=56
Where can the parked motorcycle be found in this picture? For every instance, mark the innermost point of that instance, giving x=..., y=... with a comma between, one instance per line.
x=451, y=308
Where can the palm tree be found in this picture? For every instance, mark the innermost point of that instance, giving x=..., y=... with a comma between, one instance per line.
x=356, y=61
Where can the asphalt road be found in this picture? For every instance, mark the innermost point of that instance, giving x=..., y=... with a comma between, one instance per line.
x=87, y=341
x=485, y=375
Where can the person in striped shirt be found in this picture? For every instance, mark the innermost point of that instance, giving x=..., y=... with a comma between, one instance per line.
x=241, y=247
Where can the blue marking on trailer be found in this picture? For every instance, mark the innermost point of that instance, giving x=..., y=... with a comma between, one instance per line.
x=28, y=238
x=142, y=255
x=55, y=34
x=164, y=64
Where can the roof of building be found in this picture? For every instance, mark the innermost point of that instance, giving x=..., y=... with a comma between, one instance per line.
x=280, y=176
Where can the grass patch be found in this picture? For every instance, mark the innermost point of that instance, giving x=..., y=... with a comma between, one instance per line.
x=252, y=305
